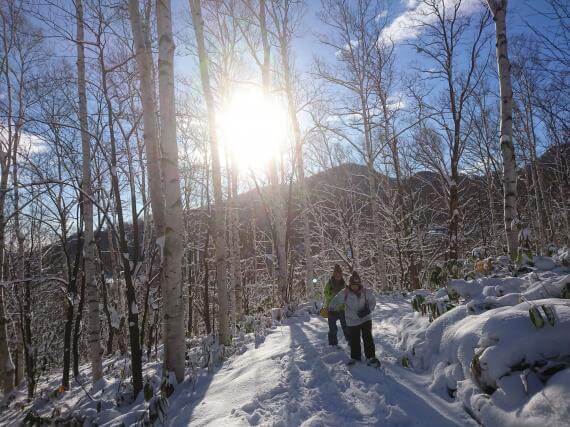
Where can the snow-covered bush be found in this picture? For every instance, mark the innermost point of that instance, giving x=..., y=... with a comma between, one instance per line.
x=504, y=343
x=563, y=256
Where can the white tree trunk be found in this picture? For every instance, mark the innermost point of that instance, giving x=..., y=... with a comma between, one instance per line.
x=499, y=11
x=7, y=368
x=91, y=294
x=143, y=57
x=173, y=219
x=6, y=365
x=373, y=195
x=235, y=268
x=219, y=237
x=277, y=205
x=18, y=324
x=299, y=163
x=171, y=251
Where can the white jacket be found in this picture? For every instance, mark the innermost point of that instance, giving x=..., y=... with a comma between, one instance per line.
x=352, y=303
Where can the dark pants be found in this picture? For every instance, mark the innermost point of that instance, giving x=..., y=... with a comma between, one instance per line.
x=366, y=330
x=333, y=317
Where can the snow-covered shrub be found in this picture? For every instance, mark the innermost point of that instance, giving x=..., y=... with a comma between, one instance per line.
x=156, y=413
x=417, y=301
x=563, y=256
x=437, y=276
x=552, y=287
x=479, y=252
x=551, y=250
x=502, y=347
x=435, y=307
x=465, y=289
x=277, y=314
x=543, y=263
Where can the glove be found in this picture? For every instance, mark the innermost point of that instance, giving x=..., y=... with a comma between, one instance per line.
x=363, y=312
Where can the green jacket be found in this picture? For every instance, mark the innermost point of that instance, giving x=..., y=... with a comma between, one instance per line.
x=331, y=289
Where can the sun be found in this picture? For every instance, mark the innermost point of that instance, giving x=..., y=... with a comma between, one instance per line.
x=252, y=128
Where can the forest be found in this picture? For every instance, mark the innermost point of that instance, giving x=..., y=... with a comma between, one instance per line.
x=178, y=175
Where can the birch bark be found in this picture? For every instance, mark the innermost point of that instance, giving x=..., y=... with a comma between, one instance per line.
x=278, y=207
x=91, y=296
x=219, y=237
x=173, y=249
x=499, y=11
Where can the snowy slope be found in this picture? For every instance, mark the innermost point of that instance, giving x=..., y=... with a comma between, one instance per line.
x=291, y=379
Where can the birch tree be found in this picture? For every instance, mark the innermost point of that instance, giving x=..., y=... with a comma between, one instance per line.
x=278, y=209
x=257, y=36
x=91, y=294
x=445, y=29
x=173, y=219
x=285, y=16
x=123, y=255
x=163, y=175
x=499, y=11
x=219, y=229
x=354, y=33
x=7, y=368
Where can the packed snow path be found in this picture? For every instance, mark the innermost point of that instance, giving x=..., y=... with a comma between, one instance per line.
x=293, y=378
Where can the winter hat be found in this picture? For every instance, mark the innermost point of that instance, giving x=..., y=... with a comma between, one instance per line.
x=337, y=269
x=355, y=279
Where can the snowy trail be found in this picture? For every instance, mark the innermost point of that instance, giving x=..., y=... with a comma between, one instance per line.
x=294, y=379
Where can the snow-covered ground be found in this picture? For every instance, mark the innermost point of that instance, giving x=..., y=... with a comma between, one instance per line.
x=502, y=349
x=292, y=378
x=481, y=356
x=295, y=379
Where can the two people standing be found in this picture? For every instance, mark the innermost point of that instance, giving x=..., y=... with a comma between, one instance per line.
x=353, y=306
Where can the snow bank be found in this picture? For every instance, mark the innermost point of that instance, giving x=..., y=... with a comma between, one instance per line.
x=489, y=354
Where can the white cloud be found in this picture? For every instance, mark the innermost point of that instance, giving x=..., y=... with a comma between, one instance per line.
x=346, y=48
x=397, y=102
x=405, y=28
x=28, y=144
x=381, y=15
x=32, y=144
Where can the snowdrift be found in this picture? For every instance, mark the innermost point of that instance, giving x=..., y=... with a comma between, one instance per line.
x=501, y=347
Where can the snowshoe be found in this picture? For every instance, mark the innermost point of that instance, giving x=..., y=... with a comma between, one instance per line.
x=375, y=363
x=350, y=362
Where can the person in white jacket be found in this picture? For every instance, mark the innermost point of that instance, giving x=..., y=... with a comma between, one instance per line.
x=358, y=303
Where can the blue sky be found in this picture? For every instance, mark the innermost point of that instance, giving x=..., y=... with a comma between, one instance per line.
x=519, y=13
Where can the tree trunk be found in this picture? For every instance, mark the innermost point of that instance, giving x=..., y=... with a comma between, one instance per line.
x=278, y=220
x=499, y=11
x=6, y=364
x=298, y=160
x=173, y=250
x=7, y=368
x=77, y=330
x=219, y=238
x=19, y=323
x=29, y=350
x=453, y=251
x=167, y=213
x=372, y=191
x=92, y=299
x=206, y=295
x=235, y=269
x=124, y=256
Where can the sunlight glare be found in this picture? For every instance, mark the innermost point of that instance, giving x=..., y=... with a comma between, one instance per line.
x=253, y=128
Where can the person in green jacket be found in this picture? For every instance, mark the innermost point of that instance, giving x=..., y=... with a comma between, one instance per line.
x=335, y=285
